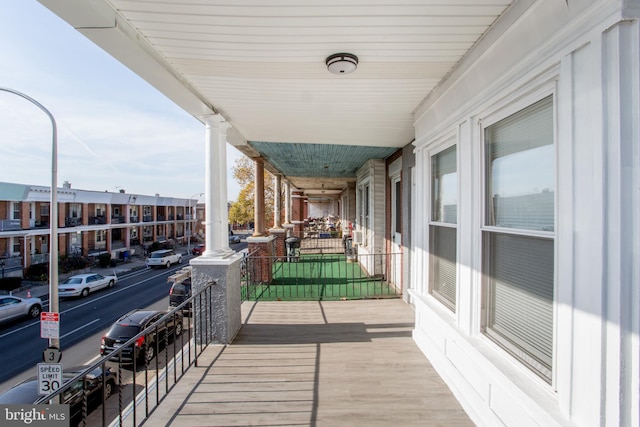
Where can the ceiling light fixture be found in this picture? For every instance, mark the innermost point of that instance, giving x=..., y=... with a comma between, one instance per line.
x=342, y=63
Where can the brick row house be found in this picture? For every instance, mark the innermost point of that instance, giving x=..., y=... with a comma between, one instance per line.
x=89, y=223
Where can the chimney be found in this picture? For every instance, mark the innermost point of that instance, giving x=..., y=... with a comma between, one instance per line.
x=122, y=190
x=66, y=184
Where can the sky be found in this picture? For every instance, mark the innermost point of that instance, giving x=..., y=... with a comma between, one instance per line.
x=115, y=131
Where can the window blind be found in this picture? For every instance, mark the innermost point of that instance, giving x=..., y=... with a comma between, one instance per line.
x=520, y=303
x=443, y=264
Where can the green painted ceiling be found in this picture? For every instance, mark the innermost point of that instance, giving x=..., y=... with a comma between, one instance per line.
x=319, y=160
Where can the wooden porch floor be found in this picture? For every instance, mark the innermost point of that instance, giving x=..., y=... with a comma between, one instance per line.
x=326, y=363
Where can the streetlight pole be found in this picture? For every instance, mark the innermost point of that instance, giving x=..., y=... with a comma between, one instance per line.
x=53, y=254
x=190, y=223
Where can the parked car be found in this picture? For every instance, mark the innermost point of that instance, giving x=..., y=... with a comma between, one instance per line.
x=12, y=307
x=164, y=257
x=26, y=392
x=83, y=284
x=179, y=293
x=131, y=324
x=233, y=239
x=197, y=249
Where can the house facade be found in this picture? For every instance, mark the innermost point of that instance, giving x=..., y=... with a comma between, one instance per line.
x=524, y=261
x=89, y=223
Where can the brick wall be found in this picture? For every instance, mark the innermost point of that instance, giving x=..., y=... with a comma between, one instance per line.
x=261, y=266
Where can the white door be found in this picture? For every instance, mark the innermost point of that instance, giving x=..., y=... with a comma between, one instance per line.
x=396, y=230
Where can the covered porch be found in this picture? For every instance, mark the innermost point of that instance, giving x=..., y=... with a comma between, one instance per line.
x=317, y=363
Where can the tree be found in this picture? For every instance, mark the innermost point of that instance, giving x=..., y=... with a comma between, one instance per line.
x=242, y=210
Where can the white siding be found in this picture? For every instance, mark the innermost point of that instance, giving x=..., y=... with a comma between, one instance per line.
x=587, y=56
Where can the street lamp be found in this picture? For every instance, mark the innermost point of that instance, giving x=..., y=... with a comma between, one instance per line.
x=190, y=223
x=53, y=254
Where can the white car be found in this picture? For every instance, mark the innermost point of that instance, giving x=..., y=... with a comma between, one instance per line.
x=163, y=258
x=83, y=284
x=12, y=307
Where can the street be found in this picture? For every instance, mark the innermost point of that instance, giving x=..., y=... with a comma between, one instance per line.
x=83, y=321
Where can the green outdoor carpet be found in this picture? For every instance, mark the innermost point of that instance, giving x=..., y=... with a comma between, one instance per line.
x=320, y=277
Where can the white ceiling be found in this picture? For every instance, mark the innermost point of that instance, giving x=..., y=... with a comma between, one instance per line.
x=261, y=64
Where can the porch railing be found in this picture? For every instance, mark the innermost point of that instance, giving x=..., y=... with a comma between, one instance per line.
x=320, y=277
x=10, y=224
x=39, y=258
x=97, y=220
x=10, y=266
x=140, y=388
x=118, y=219
x=72, y=221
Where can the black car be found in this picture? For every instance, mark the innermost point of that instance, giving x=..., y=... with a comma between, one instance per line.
x=130, y=325
x=179, y=293
x=26, y=392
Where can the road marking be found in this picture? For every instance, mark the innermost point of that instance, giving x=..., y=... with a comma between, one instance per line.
x=77, y=329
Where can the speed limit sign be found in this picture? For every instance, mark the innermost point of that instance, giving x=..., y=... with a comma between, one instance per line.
x=49, y=377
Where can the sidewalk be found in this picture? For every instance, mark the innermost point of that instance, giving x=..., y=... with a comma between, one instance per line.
x=137, y=262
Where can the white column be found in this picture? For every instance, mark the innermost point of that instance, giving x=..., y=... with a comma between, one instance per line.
x=287, y=202
x=277, y=200
x=216, y=215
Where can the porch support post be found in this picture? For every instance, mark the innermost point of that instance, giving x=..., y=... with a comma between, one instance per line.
x=277, y=201
x=287, y=203
x=216, y=215
x=219, y=264
x=287, y=209
x=258, y=219
x=298, y=213
x=277, y=231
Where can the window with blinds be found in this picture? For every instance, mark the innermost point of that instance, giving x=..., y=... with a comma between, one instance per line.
x=518, y=266
x=442, y=277
x=521, y=297
x=442, y=228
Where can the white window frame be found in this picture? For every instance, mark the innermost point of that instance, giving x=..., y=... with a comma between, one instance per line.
x=75, y=210
x=364, y=210
x=15, y=210
x=15, y=244
x=483, y=123
x=440, y=148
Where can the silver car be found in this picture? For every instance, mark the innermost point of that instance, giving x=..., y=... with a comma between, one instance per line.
x=83, y=284
x=12, y=307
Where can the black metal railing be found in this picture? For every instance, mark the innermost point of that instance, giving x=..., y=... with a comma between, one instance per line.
x=100, y=219
x=72, y=221
x=320, y=277
x=141, y=387
x=118, y=219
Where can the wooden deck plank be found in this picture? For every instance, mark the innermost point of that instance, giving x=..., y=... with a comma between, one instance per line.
x=346, y=363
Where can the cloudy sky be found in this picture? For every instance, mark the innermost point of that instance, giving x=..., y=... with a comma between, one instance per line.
x=115, y=131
